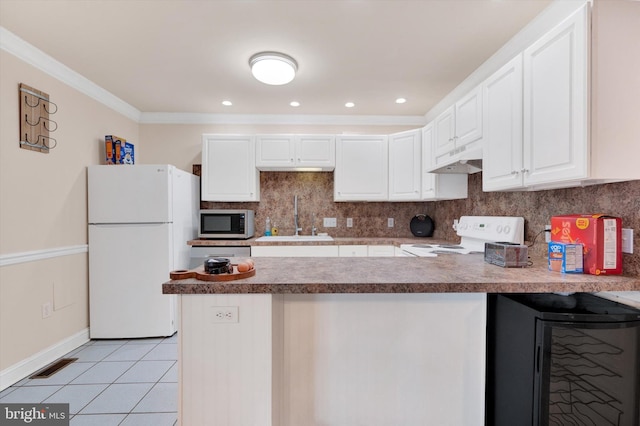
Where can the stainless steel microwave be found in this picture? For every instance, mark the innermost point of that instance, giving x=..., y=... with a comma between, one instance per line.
x=227, y=224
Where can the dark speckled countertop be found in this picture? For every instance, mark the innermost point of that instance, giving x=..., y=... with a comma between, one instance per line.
x=336, y=241
x=442, y=274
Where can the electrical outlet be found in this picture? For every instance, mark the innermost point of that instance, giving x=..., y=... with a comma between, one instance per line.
x=330, y=222
x=390, y=222
x=224, y=314
x=46, y=310
x=349, y=222
x=627, y=240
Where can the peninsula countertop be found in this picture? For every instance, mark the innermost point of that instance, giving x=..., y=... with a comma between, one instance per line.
x=442, y=274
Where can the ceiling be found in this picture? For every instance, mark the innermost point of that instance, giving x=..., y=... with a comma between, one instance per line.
x=188, y=56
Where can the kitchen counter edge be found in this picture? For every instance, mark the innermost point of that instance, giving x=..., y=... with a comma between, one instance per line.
x=443, y=274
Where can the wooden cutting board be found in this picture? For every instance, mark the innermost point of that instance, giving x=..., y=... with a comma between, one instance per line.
x=200, y=274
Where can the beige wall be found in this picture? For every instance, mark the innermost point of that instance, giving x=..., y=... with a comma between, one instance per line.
x=43, y=206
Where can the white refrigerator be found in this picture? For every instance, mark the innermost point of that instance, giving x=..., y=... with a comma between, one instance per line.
x=140, y=219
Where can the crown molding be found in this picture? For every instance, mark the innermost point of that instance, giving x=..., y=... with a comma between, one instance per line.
x=281, y=119
x=30, y=54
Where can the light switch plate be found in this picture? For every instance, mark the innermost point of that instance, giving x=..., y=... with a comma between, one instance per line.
x=627, y=240
x=349, y=222
x=390, y=222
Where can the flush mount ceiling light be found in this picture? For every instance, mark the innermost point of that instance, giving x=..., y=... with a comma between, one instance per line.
x=273, y=68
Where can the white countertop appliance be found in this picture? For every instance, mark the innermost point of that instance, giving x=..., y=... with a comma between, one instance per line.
x=140, y=219
x=473, y=231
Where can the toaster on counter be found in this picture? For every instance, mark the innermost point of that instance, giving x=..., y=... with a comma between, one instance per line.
x=507, y=255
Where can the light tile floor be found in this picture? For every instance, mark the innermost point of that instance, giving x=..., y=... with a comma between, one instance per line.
x=124, y=382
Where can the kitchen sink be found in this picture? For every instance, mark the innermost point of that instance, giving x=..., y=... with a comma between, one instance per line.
x=294, y=238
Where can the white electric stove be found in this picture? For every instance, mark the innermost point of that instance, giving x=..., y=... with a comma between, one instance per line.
x=473, y=231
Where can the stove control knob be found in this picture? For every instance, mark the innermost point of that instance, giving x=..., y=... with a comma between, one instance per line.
x=499, y=228
x=507, y=229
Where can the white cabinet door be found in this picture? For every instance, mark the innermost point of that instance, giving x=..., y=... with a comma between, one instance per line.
x=229, y=168
x=405, y=165
x=362, y=169
x=443, y=133
x=316, y=151
x=555, y=104
x=427, y=146
x=457, y=128
x=295, y=152
x=274, y=151
x=502, y=149
x=468, y=118
x=381, y=251
x=439, y=186
x=352, y=250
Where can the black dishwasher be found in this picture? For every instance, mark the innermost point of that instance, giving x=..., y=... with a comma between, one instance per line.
x=562, y=360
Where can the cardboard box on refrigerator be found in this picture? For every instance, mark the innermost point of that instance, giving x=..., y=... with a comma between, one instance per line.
x=118, y=150
x=127, y=153
x=600, y=235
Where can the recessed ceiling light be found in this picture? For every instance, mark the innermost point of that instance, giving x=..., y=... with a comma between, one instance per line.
x=273, y=68
x=401, y=100
x=226, y=103
x=294, y=103
x=349, y=104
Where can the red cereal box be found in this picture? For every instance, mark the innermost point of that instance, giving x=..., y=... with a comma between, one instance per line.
x=601, y=236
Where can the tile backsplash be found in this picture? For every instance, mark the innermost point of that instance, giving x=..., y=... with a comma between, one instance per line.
x=315, y=198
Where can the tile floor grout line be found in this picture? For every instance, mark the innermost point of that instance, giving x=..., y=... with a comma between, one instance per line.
x=171, y=362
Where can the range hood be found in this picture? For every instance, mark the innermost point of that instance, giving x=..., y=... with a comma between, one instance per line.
x=465, y=161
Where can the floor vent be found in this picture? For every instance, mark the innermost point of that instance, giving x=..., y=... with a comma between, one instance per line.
x=53, y=368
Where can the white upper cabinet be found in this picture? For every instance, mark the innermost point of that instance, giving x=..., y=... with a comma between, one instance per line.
x=229, y=168
x=405, y=165
x=458, y=129
x=316, y=151
x=275, y=151
x=295, y=152
x=362, y=168
x=556, y=146
x=444, y=132
x=468, y=118
x=502, y=150
x=439, y=186
x=569, y=117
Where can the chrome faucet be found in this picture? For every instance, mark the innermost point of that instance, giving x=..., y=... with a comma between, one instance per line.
x=295, y=215
x=313, y=224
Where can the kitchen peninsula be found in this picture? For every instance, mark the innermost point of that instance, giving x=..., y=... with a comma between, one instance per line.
x=347, y=341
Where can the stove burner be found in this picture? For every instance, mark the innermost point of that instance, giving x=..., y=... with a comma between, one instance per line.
x=445, y=252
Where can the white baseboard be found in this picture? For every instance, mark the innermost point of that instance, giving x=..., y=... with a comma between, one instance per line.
x=22, y=369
